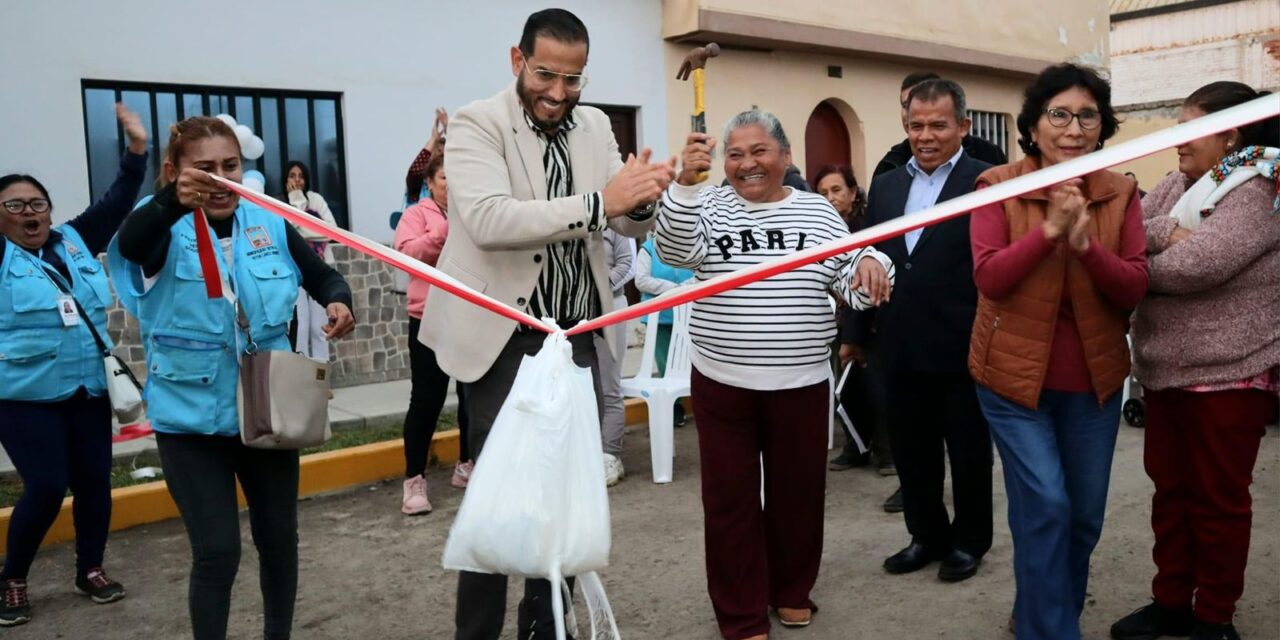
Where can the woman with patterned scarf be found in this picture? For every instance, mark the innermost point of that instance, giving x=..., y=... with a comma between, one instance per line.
x=1207, y=351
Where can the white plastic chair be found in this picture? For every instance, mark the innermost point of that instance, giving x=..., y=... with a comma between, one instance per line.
x=660, y=394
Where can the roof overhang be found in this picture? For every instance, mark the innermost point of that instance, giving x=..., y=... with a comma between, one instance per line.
x=768, y=34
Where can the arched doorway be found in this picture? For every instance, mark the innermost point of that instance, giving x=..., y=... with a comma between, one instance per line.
x=826, y=139
x=833, y=135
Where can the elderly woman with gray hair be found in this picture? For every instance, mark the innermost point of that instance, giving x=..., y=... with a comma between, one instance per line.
x=760, y=361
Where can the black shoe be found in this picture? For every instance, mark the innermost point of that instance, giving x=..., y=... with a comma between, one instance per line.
x=914, y=558
x=680, y=418
x=1210, y=631
x=16, y=609
x=849, y=458
x=958, y=565
x=894, y=503
x=1152, y=621
x=99, y=587
x=887, y=468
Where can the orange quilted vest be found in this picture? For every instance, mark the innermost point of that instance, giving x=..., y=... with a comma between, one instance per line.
x=1012, y=338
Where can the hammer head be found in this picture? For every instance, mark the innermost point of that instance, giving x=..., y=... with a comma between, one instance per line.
x=697, y=59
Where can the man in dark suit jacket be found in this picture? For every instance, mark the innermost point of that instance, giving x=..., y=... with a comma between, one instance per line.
x=924, y=335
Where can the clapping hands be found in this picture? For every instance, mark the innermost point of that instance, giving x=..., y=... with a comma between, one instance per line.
x=1068, y=216
x=639, y=183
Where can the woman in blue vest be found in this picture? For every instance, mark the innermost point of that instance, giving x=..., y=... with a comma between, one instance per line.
x=56, y=419
x=654, y=278
x=192, y=344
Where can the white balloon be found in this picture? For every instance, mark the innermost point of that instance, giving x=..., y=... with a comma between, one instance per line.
x=254, y=149
x=231, y=122
x=244, y=135
x=255, y=184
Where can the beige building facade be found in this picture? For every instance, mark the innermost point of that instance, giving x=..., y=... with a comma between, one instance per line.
x=1162, y=50
x=831, y=70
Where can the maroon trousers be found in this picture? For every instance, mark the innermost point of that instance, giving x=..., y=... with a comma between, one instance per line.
x=759, y=557
x=1200, y=452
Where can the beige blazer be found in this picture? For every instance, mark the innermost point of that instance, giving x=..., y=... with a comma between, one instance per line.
x=501, y=223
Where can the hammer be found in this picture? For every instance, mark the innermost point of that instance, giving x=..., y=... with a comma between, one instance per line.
x=696, y=63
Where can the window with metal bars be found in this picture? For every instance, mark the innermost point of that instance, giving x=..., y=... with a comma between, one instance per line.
x=992, y=127
x=293, y=125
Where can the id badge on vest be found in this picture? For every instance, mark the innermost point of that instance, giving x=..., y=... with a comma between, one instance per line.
x=67, y=309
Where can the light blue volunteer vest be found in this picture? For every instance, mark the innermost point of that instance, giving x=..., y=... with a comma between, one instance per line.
x=659, y=269
x=192, y=342
x=41, y=360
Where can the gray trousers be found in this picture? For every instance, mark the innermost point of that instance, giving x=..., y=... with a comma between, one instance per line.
x=613, y=418
x=482, y=597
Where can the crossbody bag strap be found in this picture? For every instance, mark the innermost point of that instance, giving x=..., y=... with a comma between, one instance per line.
x=56, y=279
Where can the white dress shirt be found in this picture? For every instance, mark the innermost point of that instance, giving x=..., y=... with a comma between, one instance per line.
x=925, y=189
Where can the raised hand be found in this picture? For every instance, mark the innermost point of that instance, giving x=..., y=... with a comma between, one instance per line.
x=695, y=159
x=442, y=121
x=134, y=132
x=639, y=183
x=194, y=186
x=438, y=129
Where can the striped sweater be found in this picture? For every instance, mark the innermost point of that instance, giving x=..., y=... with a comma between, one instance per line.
x=775, y=333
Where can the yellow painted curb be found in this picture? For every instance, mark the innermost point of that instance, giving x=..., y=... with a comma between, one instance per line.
x=319, y=473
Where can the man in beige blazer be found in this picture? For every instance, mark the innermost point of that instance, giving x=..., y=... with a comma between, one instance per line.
x=533, y=182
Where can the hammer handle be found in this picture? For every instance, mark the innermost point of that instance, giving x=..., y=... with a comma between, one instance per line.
x=699, y=120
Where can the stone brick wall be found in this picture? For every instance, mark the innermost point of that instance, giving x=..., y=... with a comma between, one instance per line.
x=378, y=350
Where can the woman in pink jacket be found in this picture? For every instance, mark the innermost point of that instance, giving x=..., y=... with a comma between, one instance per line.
x=421, y=234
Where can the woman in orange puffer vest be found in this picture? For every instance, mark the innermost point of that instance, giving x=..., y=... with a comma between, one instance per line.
x=1058, y=272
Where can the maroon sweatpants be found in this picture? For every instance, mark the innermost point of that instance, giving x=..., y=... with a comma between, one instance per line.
x=1200, y=452
x=761, y=557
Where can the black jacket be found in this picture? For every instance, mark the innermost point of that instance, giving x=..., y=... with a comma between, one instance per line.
x=973, y=146
x=926, y=325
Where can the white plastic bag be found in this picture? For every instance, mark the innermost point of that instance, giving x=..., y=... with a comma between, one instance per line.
x=536, y=504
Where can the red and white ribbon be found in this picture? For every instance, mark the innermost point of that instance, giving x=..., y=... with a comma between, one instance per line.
x=410, y=265
x=1257, y=109
x=1264, y=107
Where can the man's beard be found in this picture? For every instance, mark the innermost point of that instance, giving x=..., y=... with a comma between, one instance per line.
x=527, y=100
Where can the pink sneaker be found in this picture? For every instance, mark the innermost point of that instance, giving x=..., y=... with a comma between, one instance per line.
x=462, y=474
x=415, y=497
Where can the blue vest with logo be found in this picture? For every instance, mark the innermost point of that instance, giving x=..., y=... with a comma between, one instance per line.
x=41, y=360
x=193, y=342
x=659, y=269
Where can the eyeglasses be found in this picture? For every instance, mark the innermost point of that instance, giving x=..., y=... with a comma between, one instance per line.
x=36, y=205
x=1088, y=118
x=547, y=77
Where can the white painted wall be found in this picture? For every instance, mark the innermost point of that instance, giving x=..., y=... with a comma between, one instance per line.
x=393, y=60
